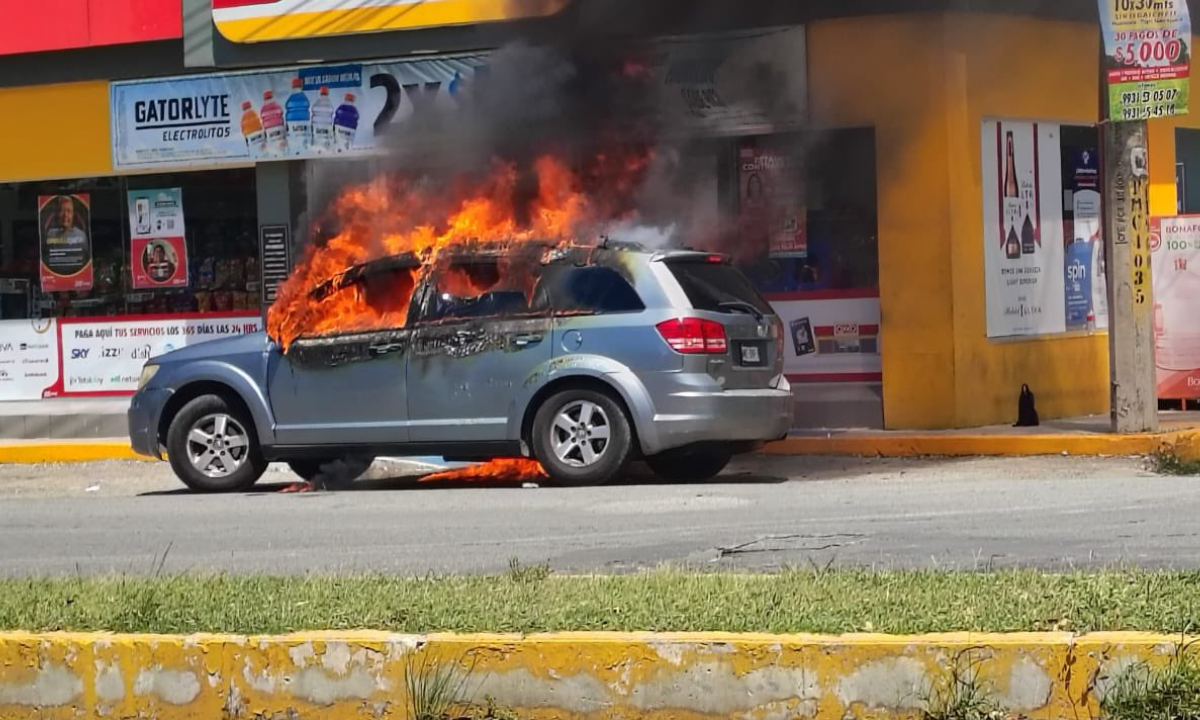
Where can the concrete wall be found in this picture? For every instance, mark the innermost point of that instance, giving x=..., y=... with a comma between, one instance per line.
x=926, y=82
x=650, y=677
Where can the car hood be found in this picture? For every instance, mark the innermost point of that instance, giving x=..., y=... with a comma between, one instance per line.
x=221, y=347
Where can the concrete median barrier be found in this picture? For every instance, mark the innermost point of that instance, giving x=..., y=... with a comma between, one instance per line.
x=363, y=675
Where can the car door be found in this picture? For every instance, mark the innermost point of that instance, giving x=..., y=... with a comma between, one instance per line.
x=472, y=353
x=349, y=388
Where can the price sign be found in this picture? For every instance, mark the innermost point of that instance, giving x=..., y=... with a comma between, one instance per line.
x=1147, y=57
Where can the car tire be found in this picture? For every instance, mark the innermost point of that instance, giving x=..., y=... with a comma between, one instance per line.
x=582, y=438
x=345, y=471
x=693, y=466
x=212, y=446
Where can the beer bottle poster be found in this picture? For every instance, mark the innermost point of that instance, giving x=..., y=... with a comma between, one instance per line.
x=1024, y=259
x=64, y=223
x=156, y=231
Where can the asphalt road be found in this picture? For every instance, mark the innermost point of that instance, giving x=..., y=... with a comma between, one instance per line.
x=765, y=513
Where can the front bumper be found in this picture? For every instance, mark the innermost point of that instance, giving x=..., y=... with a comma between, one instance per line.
x=690, y=416
x=145, y=409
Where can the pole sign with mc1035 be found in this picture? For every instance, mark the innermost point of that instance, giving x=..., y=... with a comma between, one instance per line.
x=1147, y=58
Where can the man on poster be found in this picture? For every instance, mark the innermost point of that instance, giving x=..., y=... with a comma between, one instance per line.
x=66, y=247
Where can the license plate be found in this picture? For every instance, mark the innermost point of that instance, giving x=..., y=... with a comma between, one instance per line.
x=750, y=355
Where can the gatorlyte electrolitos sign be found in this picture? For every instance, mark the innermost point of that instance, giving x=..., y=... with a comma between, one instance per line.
x=294, y=113
x=249, y=21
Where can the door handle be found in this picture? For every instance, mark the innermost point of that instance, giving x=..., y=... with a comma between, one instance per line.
x=525, y=340
x=385, y=348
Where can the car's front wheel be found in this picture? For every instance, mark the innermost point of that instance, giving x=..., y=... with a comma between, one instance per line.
x=332, y=472
x=212, y=446
x=582, y=437
x=690, y=466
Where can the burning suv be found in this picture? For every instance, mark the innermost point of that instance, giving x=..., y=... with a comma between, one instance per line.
x=581, y=358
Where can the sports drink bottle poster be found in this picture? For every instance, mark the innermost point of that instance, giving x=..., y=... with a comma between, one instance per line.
x=1175, y=271
x=1147, y=58
x=299, y=113
x=64, y=222
x=1024, y=263
x=158, y=247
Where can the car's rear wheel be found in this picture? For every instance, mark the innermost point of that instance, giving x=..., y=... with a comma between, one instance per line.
x=690, y=465
x=331, y=472
x=212, y=446
x=582, y=437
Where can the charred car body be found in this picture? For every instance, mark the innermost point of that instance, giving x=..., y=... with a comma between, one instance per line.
x=583, y=358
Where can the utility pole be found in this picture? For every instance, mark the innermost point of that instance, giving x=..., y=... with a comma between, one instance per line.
x=1145, y=73
x=1126, y=161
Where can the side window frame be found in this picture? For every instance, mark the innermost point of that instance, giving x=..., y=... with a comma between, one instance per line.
x=554, y=301
x=426, y=295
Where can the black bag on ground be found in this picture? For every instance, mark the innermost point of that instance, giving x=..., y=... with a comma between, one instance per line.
x=1027, y=415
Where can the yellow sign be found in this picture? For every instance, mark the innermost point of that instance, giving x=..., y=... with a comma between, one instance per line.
x=250, y=21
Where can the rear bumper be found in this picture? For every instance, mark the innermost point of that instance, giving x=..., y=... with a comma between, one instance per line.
x=145, y=409
x=691, y=415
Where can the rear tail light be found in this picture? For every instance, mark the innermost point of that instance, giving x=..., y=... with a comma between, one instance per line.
x=694, y=336
x=779, y=341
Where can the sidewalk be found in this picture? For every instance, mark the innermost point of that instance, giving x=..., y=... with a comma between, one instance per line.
x=1179, y=433
x=1090, y=436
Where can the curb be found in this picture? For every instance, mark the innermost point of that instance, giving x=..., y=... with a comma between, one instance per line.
x=65, y=451
x=1184, y=443
x=575, y=675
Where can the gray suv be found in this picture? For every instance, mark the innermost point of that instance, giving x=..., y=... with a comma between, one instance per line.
x=584, y=358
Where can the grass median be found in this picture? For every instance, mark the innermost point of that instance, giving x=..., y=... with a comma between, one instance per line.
x=530, y=599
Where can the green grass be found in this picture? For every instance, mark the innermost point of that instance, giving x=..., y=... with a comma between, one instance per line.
x=1171, y=692
x=1168, y=463
x=831, y=601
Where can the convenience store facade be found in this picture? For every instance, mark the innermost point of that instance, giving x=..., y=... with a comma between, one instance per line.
x=900, y=108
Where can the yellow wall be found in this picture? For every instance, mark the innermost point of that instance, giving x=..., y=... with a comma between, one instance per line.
x=55, y=131
x=926, y=83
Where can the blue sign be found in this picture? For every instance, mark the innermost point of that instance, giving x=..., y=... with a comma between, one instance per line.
x=1079, y=283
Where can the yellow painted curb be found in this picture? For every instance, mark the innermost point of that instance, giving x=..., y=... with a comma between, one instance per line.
x=584, y=676
x=65, y=451
x=1185, y=443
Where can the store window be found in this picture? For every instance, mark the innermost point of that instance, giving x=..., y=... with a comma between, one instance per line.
x=141, y=263
x=806, y=211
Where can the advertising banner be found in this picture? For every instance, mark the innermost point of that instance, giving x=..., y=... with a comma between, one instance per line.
x=772, y=201
x=66, y=242
x=1147, y=57
x=1175, y=267
x=306, y=112
x=1087, y=294
x=105, y=357
x=1023, y=230
x=28, y=359
x=250, y=21
x=158, y=245
x=831, y=340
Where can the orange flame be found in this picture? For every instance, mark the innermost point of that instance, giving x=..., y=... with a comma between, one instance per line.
x=550, y=202
x=503, y=470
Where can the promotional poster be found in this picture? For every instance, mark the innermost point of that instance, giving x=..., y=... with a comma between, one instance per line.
x=772, y=201
x=1175, y=266
x=1023, y=230
x=158, y=246
x=1147, y=58
x=64, y=222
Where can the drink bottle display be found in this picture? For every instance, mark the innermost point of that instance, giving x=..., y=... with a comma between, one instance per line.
x=298, y=114
x=1028, y=237
x=1010, y=171
x=272, y=120
x=1012, y=246
x=345, y=123
x=252, y=129
x=322, y=122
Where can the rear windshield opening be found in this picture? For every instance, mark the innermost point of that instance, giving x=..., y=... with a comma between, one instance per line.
x=717, y=287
